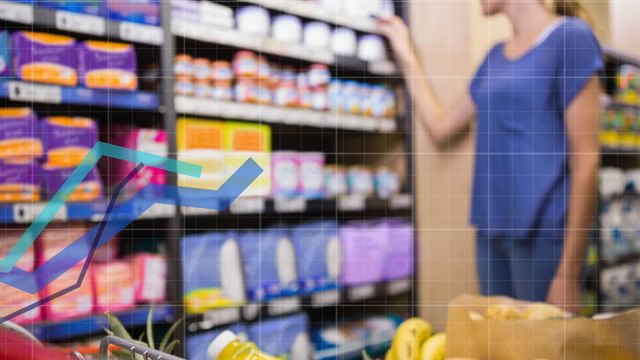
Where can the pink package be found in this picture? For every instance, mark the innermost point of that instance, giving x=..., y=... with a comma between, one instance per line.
x=284, y=174
x=363, y=253
x=399, y=259
x=311, y=174
x=150, y=277
x=12, y=299
x=153, y=141
x=113, y=286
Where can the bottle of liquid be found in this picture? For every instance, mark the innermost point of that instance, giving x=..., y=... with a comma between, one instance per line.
x=227, y=347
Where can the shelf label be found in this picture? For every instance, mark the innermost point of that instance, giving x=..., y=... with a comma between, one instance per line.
x=254, y=205
x=222, y=316
x=396, y=287
x=361, y=292
x=83, y=23
x=283, y=306
x=385, y=67
x=22, y=13
x=27, y=212
x=294, y=205
x=21, y=91
x=251, y=311
x=351, y=203
x=400, y=201
x=387, y=125
x=146, y=34
x=325, y=298
x=159, y=211
x=194, y=211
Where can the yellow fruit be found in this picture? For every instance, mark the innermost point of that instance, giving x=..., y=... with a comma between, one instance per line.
x=435, y=347
x=502, y=312
x=389, y=355
x=408, y=339
x=474, y=316
x=542, y=311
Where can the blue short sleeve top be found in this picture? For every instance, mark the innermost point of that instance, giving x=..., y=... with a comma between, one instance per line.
x=521, y=169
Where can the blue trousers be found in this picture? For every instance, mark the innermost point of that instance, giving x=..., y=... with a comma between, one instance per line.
x=519, y=268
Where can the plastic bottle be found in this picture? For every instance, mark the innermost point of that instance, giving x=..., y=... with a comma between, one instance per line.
x=227, y=347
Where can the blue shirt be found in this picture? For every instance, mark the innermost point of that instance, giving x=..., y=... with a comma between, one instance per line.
x=521, y=177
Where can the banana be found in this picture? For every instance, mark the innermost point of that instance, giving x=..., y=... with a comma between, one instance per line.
x=408, y=339
x=434, y=347
x=502, y=312
x=389, y=355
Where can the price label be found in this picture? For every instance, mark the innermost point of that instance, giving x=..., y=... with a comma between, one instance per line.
x=294, y=205
x=158, y=211
x=400, y=201
x=283, y=306
x=387, y=125
x=361, y=292
x=382, y=68
x=21, y=91
x=251, y=311
x=83, y=23
x=253, y=205
x=351, y=203
x=222, y=316
x=146, y=34
x=325, y=298
x=22, y=13
x=396, y=287
x=27, y=212
x=194, y=211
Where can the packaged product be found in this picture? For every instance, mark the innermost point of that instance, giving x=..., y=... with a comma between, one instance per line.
x=201, y=69
x=221, y=90
x=287, y=337
x=183, y=65
x=47, y=58
x=366, y=100
x=317, y=255
x=263, y=95
x=335, y=181
x=284, y=174
x=244, y=141
x=137, y=11
x=245, y=90
x=269, y=264
x=319, y=100
x=360, y=181
x=90, y=189
x=264, y=69
x=202, y=88
x=311, y=171
x=228, y=346
x=371, y=48
x=197, y=344
x=211, y=271
x=316, y=35
x=149, y=277
x=253, y=20
x=107, y=65
x=343, y=41
x=91, y=7
x=113, y=283
x=19, y=181
x=335, y=96
x=363, y=253
x=351, y=93
x=386, y=182
x=245, y=64
x=287, y=28
x=202, y=142
x=319, y=75
x=221, y=71
x=19, y=135
x=303, y=90
x=184, y=86
x=399, y=253
x=5, y=58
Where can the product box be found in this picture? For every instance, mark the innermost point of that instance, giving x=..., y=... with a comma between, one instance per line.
x=12, y=299
x=5, y=56
x=137, y=11
x=287, y=337
x=211, y=271
x=335, y=181
x=107, y=65
x=68, y=139
x=197, y=344
x=269, y=262
x=363, y=253
x=246, y=141
x=113, y=284
x=202, y=142
x=90, y=189
x=46, y=58
x=360, y=181
x=284, y=174
x=90, y=7
x=19, y=182
x=150, y=277
x=317, y=255
x=311, y=171
x=399, y=253
x=19, y=135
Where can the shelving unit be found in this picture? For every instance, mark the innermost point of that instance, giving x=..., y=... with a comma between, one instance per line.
x=164, y=108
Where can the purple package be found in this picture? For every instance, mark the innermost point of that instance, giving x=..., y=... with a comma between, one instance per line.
x=363, y=253
x=311, y=173
x=47, y=58
x=107, y=65
x=284, y=174
x=19, y=135
x=399, y=254
x=19, y=182
x=90, y=189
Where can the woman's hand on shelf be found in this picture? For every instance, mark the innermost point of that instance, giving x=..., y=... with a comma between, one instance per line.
x=395, y=29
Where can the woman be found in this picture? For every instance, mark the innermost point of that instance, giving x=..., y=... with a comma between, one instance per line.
x=536, y=101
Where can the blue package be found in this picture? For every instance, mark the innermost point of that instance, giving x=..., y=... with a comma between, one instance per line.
x=5, y=59
x=317, y=255
x=137, y=11
x=196, y=345
x=287, y=336
x=212, y=271
x=268, y=257
x=90, y=7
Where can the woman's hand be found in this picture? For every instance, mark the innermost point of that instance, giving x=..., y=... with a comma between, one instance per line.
x=565, y=293
x=399, y=37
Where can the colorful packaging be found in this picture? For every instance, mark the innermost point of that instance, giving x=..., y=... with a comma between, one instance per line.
x=211, y=271
x=284, y=174
x=137, y=11
x=150, y=277
x=19, y=135
x=351, y=93
x=335, y=98
x=244, y=141
x=107, y=65
x=201, y=69
x=310, y=169
x=319, y=75
x=399, y=253
x=5, y=58
x=386, y=182
x=317, y=255
x=363, y=254
x=90, y=189
x=19, y=182
x=335, y=181
x=269, y=264
x=113, y=285
x=245, y=64
x=197, y=344
x=202, y=88
x=46, y=58
x=360, y=181
x=221, y=71
x=12, y=299
x=245, y=90
x=319, y=99
x=202, y=142
x=91, y=7
x=287, y=337
x=183, y=65
x=184, y=86
x=221, y=90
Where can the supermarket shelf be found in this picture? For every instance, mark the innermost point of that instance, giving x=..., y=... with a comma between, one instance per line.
x=608, y=150
x=16, y=90
x=95, y=324
x=274, y=114
x=290, y=305
x=621, y=260
x=80, y=23
x=232, y=37
x=351, y=350
x=620, y=57
x=311, y=10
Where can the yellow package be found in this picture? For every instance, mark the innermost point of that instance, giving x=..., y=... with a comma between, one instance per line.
x=250, y=141
x=202, y=142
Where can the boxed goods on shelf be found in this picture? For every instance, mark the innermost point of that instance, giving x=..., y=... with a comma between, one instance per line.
x=19, y=182
x=202, y=142
x=317, y=255
x=197, y=344
x=363, y=254
x=137, y=11
x=287, y=337
x=149, y=277
x=90, y=7
x=113, y=284
x=5, y=59
x=107, y=65
x=45, y=58
x=399, y=249
x=297, y=174
x=245, y=141
x=628, y=84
